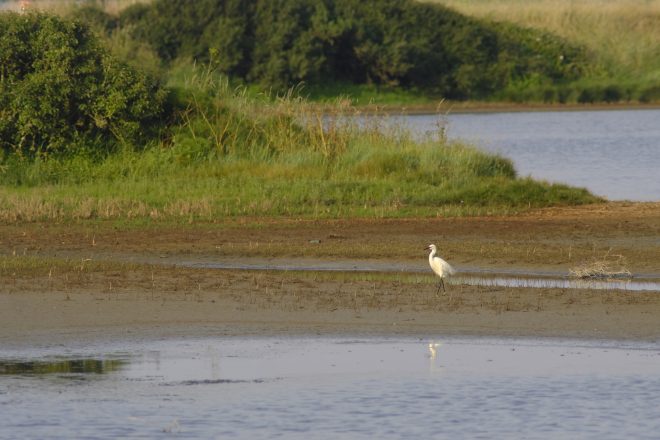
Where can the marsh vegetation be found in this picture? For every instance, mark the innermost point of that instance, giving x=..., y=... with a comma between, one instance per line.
x=623, y=38
x=114, y=143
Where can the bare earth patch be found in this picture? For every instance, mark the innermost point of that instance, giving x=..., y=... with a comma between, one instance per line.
x=77, y=280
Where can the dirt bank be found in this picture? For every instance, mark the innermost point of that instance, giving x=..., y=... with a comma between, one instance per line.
x=164, y=302
x=549, y=239
x=73, y=281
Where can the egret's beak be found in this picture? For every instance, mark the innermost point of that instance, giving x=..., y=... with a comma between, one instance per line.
x=427, y=248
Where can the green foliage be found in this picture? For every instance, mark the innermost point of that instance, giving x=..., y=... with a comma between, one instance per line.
x=280, y=43
x=60, y=91
x=293, y=41
x=180, y=28
x=621, y=38
x=233, y=154
x=94, y=17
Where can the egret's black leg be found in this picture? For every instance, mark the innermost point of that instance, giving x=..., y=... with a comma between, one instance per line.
x=441, y=285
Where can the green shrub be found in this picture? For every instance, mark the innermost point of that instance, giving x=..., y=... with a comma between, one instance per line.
x=94, y=17
x=650, y=94
x=60, y=91
x=280, y=43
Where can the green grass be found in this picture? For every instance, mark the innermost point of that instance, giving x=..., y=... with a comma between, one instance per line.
x=622, y=36
x=20, y=265
x=233, y=154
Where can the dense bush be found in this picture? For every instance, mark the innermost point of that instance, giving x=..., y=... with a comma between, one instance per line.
x=279, y=43
x=59, y=90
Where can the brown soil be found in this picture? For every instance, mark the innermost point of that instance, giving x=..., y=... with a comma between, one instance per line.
x=103, y=296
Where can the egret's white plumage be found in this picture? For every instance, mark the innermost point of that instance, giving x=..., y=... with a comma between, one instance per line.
x=439, y=266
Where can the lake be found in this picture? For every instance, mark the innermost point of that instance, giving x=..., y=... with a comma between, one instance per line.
x=613, y=153
x=324, y=387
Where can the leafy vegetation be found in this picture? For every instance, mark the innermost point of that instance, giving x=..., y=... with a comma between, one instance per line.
x=390, y=43
x=87, y=137
x=399, y=51
x=623, y=39
x=233, y=154
x=60, y=91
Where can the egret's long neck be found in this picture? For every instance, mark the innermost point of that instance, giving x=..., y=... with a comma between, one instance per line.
x=432, y=254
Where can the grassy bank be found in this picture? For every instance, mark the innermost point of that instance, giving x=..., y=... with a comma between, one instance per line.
x=623, y=36
x=231, y=154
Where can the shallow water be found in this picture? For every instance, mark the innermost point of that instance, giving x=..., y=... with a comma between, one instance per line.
x=468, y=276
x=614, y=153
x=560, y=283
x=330, y=388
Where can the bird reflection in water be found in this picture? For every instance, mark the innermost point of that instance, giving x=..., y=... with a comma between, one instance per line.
x=433, y=349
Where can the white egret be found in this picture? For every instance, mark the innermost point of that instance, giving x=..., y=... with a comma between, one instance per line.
x=439, y=266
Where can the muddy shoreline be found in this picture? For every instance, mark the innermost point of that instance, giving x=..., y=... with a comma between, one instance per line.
x=175, y=302
x=73, y=282
x=446, y=107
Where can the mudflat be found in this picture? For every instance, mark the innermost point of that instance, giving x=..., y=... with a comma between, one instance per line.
x=105, y=280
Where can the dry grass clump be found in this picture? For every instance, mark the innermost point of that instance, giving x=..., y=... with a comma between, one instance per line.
x=607, y=266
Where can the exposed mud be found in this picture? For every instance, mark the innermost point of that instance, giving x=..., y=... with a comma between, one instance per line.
x=112, y=297
x=551, y=240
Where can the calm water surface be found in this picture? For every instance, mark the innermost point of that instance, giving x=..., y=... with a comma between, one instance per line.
x=615, y=154
x=333, y=388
